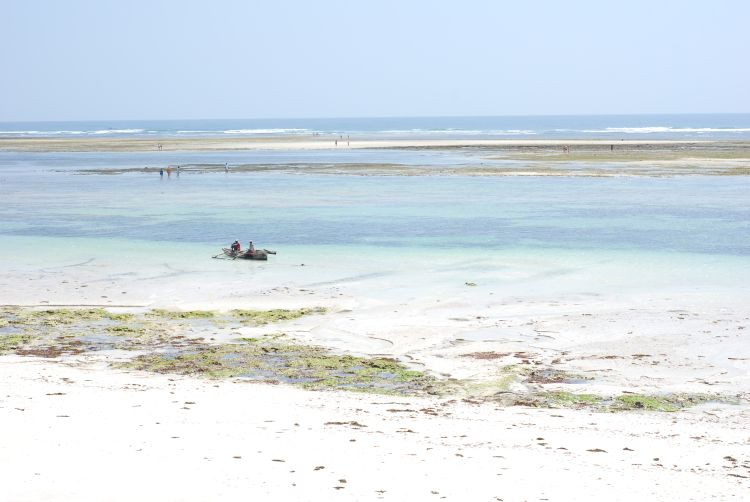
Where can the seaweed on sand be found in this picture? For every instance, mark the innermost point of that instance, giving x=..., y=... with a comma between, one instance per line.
x=274, y=360
x=263, y=317
x=12, y=342
x=182, y=314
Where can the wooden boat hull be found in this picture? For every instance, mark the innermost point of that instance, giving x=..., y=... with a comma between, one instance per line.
x=259, y=254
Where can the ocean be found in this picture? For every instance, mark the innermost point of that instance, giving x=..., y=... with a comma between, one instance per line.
x=703, y=126
x=43, y=196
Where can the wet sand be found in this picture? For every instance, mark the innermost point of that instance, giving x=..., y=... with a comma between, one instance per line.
x=321, y=142
x=538, y=165
x=490, y=157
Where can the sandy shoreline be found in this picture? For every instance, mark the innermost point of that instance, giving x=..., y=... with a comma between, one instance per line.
x=317, y=143
x=261, y=439
x=491, y=157
x=176, y=438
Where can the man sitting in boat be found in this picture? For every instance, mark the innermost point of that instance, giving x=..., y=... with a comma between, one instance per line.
x=236, y=247
x=250, y=249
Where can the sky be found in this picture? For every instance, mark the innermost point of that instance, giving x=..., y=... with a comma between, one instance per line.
x=163, y=59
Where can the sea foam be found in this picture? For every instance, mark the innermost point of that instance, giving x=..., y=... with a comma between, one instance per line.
x=665, y=129
x=462, y=132
x=266, y=131
x=72, y=133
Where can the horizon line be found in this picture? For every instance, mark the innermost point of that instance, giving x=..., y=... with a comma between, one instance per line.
x=364, y=117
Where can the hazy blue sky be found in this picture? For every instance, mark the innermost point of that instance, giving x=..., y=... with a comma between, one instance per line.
x=77, y=59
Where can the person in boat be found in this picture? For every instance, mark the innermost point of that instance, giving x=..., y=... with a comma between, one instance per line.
x=250, y=249
x=236, y=247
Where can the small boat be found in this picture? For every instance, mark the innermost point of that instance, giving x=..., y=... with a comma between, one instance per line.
x=258, y=254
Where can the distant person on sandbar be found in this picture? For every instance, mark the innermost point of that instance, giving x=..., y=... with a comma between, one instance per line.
x=226, y=167
x=161, y=172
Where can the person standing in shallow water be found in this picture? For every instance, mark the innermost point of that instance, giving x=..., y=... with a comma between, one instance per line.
x=161, y=173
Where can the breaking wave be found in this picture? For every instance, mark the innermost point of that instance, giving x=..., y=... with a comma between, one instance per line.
x=664, y=129
x=266, y=131
x=98, y=132
x=462, y=132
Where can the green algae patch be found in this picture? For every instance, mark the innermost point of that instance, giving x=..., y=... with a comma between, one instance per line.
x=211, y=362
x=272, y=360
x=619, y=403
x=325, y=370
x=668, y=403
x=182, y=314
x=54, y=317
x=120, y=330
x=120, y=317
x=562, y=399
x=263, y=317
x=75, y=331
x=13, y=342
x=62, y=316
x=255, y=317
x=268, y=337
x=538, y=396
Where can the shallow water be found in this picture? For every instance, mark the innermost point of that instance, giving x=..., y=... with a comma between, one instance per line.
x=42, y=197
x=385, y=233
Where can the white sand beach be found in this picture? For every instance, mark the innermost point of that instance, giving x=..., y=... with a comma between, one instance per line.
x=96, y=434
x=76, y=428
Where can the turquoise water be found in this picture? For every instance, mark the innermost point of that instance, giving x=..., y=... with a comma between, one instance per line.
x=42, y=197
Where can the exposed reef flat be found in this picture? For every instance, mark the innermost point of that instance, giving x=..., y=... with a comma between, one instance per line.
x=47, y=144
x=488, y=158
